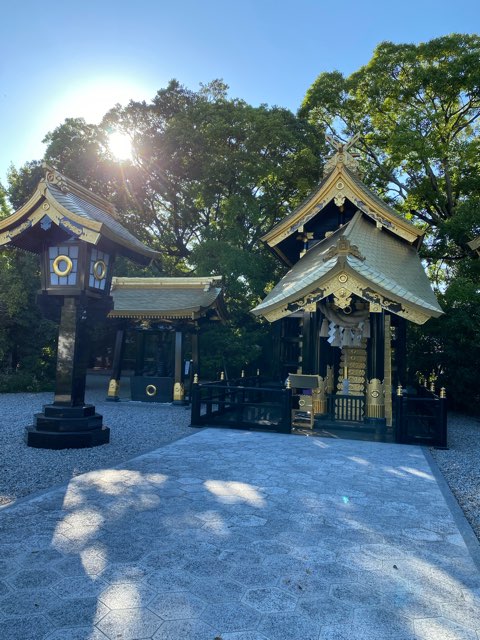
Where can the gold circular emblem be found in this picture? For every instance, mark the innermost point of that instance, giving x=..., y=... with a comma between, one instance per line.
x=340, y=184
x=374, y=394
x=301, y=403
x=343, y=278
x=62, y=269
x=99, y=270
x=151, y=390
x=45, y=206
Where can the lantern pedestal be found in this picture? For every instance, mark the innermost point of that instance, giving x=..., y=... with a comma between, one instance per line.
x=69, y=423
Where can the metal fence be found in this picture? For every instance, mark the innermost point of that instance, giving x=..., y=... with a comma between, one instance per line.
x=421, y=418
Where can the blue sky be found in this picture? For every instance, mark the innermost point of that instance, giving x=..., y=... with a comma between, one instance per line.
x=62, y=59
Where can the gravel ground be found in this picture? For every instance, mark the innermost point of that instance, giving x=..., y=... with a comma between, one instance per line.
x=460, y=465
x=136, y=427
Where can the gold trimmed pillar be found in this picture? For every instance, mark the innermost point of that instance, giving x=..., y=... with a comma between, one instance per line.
x=375, y=399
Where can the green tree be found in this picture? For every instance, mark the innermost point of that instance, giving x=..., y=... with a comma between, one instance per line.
x=417, y=109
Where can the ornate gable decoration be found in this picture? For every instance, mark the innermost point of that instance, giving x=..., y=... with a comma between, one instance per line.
x=342, y=157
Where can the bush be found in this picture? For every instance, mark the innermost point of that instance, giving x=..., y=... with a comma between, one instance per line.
x=24, y=381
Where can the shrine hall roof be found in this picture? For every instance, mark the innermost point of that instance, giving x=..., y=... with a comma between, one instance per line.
x=364, y=260
x=167, y=298
x=77, y=212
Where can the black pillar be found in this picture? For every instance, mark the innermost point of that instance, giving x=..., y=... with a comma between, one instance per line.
x=69, y=422
x=195, y=351
x=401, y=351
x=178, y=387
x=376, y=348
x=308, y=343
x=114, y=385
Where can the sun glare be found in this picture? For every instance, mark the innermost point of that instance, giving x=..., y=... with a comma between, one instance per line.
x=120, y=145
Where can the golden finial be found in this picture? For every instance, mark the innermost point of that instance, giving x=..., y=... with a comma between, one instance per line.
x=432, y=387
x=399, y=390
x=195, y=378
x=443, y=392
x=288, y=384
x=222, y=375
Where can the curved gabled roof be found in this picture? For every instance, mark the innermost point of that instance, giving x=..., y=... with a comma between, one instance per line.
x=361, y=259
x=340, y=183
x=78, y=212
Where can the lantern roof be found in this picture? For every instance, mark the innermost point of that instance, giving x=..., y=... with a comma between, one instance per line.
x=74, y=212
x=168, y=298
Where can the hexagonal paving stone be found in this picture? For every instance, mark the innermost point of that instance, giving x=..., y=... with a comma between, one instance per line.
x=253, y=576
x=29, y=628
x=177, y=606
x=38, y=559
x=287, y=625
x=304, y=583
x=230, y=616
x=170, y=580
x=80, y=611
x=218, y=590
x=355, y=593
x=386, y=621
x=79, y=586
x=30, y=602
x=129, y=624
x=120, y=573
x=186, y=630
x=443, y=629
x=325, y=610
x=244, y=635
x=269, y=600
x=77, y=633
x=34, y=578
x=126, y=596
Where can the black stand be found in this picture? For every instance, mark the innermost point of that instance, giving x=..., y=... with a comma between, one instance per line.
x=69, y=423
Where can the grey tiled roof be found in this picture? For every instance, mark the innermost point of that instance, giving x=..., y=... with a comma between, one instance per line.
x=166, y=302
x=390, y=263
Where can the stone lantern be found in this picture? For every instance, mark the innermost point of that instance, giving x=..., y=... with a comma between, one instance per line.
x=77, y=235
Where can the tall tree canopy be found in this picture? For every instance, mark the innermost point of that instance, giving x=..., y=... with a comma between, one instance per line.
x=417, y=108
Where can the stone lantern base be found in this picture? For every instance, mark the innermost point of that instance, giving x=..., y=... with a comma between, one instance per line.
x=67, y=428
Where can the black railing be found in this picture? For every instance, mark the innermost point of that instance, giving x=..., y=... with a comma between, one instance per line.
x=345, y=408
x=242, y=406
x=421, y=419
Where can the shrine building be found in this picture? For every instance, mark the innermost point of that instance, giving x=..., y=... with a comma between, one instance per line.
x=355, y=279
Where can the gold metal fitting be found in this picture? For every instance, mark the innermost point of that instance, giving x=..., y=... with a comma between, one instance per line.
x=399, y=390
x=432, y=387
x=288, y=384
x=258, y=372
x=242, y=375
x=99, y=270
x=222, y=375
x=443, y=392
x=151, y=390
x=61, y=272
x=195, y=378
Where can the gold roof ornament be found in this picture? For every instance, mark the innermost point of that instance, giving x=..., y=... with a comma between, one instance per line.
x=341, y=183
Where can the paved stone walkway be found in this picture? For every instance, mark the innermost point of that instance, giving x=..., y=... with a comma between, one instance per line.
x=242, y=536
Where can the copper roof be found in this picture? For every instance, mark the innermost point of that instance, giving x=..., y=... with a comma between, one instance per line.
x=374, y=259
x=167, y=298
x=78, y=212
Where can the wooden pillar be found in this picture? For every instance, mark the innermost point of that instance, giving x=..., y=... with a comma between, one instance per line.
x=195, y=351
x=308, y=347
x=375, y=400
x=401, y=351
x=178, y=387
x=114, y=384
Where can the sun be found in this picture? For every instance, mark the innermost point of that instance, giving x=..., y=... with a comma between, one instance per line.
x=120, y=145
